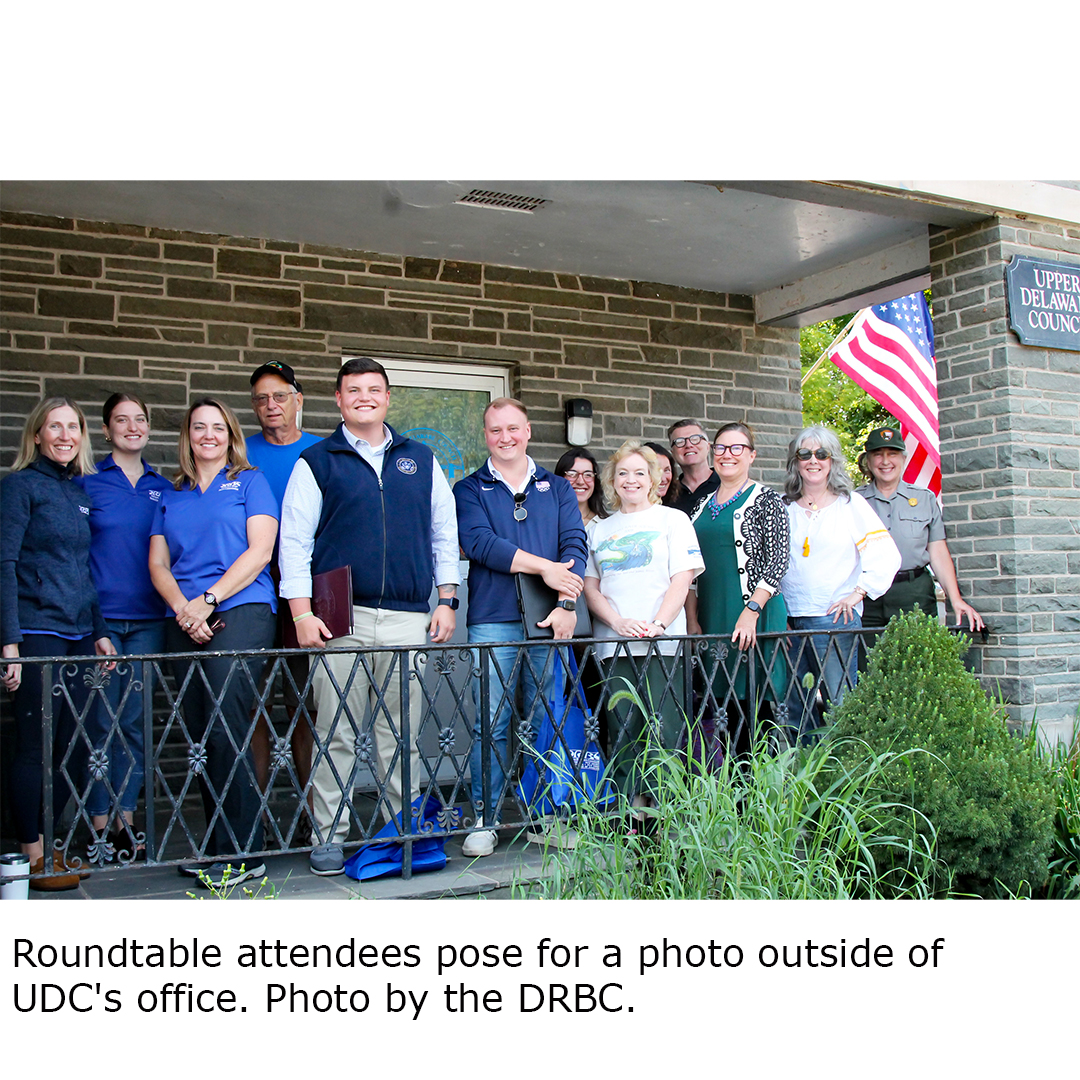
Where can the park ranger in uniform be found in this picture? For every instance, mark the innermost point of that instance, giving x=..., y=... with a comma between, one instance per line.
x=913, y=517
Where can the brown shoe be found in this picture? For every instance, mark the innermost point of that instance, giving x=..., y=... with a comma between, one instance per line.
x=58, y=881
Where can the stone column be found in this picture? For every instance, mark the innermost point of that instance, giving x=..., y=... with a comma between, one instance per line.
x=1010, y=435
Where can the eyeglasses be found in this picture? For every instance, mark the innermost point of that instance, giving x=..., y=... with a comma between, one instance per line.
x=520, y=513
x=585, y=474
x=260, y=401
x=806, y=455
x=735, y=449
x=688, y=440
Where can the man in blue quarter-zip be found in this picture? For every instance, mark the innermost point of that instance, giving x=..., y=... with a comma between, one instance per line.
x=514, y=517
x=369, y=498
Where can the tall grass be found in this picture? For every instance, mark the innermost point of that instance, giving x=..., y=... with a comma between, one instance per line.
x=794, y=824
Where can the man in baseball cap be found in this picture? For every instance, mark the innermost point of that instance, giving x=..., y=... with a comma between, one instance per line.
x=276, y=400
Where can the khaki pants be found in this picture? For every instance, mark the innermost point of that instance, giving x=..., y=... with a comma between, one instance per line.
x=340, y=719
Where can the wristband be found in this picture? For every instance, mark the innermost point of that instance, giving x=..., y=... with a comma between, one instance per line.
x=306, y=614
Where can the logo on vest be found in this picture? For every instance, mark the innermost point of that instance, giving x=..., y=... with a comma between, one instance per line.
x=85, y=509
x=232, y=485
x=543, y=485
x=406, y=465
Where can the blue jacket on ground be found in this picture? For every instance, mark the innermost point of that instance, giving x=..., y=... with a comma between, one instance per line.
x=490, y=537
x=45, y=583
x=379, y=527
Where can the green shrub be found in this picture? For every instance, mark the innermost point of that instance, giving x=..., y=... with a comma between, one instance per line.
x=987, y=794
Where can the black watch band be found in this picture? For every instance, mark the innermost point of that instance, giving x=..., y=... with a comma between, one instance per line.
x=754, y=606
x=567, y=605
x=210, y=598
x=452, y=602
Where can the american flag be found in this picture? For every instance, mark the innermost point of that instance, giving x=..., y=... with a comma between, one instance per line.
x=888, y=349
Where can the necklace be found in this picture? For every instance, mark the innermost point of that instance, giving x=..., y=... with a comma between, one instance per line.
x=715, y=507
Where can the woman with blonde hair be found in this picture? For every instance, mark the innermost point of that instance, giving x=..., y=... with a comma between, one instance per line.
x=210, y=546
x=48, y=607
x=642, y=560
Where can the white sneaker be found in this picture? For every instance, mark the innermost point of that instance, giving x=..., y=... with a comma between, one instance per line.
x=553, y=832
x=482, y=842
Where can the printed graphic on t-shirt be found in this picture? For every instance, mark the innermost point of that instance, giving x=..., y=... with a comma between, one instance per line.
x=629, y=552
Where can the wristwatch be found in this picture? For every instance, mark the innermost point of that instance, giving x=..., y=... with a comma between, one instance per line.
x=567, y=605
x=754, y=606
x=452, y=602
x=210, y=598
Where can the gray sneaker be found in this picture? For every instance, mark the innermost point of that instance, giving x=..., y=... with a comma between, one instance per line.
x=328, y=860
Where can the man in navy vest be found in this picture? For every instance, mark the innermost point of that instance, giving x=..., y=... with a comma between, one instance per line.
x=369, y=498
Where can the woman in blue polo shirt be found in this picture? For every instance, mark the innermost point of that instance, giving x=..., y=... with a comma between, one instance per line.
x=126, y=493
x=209, y=549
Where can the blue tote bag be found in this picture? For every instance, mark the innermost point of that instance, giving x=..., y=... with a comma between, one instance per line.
x=565, y=770
x=385, y=859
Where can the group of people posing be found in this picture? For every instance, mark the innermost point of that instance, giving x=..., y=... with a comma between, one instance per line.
x=113, y=559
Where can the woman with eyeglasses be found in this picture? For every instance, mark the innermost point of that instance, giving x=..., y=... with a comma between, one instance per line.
x=841, y=553
x=743, y=531
x=580, y=468
x=670, y=485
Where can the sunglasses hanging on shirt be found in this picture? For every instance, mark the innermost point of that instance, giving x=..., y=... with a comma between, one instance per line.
x=520, y=513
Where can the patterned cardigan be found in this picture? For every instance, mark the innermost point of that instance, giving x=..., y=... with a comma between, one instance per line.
x=764, y=547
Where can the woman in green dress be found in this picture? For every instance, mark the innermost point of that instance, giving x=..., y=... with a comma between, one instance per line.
x=744, y=535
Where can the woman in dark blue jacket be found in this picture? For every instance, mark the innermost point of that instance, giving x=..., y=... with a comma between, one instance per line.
x=48, y=604
x=126, y=493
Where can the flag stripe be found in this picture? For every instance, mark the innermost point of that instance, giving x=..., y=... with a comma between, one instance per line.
x=888, y=350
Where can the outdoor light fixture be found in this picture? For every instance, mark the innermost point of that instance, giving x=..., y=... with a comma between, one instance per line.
x=578, y=421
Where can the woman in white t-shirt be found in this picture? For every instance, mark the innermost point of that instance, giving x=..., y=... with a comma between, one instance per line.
x=840, y=554
x=642, y=560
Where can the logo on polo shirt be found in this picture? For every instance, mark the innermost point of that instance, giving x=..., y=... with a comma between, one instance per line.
x=543, y=485
x=155, y=494
x=406, y=465
x=231, y=485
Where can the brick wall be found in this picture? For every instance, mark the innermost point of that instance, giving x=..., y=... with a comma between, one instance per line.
x=90, y=307
x=1010, y=429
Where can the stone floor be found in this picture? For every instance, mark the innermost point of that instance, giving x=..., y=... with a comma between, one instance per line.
x=514, y=862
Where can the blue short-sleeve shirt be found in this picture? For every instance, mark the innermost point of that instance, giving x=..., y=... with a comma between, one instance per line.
x=120, y=522
x=207, y=532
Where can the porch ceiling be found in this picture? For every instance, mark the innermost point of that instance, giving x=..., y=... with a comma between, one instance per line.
x=751, y=238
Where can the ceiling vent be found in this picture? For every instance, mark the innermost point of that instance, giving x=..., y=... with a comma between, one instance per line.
x=500, y=200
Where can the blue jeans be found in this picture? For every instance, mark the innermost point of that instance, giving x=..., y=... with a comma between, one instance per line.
x=115, y=724
x=833, y=663
x=504, y=679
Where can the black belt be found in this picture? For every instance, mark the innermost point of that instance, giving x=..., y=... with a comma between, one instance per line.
x=908, y=575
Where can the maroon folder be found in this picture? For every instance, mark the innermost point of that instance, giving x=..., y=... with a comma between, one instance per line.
x=331, y=601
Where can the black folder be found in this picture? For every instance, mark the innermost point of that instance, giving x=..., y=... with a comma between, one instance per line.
x=536, y=600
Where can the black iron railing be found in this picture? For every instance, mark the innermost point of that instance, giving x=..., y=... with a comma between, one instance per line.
x=198, y=773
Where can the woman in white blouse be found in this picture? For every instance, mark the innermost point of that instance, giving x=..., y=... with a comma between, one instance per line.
x=840, y=554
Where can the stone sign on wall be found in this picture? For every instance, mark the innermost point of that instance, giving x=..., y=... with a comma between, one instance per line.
x=1044, y=302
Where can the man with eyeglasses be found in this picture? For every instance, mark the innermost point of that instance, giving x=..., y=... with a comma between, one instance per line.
x=276, y=400
x=692, y=451
x=514, y=517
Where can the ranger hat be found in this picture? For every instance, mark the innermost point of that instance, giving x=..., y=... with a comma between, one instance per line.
x=884, y=438
x=282, y=371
